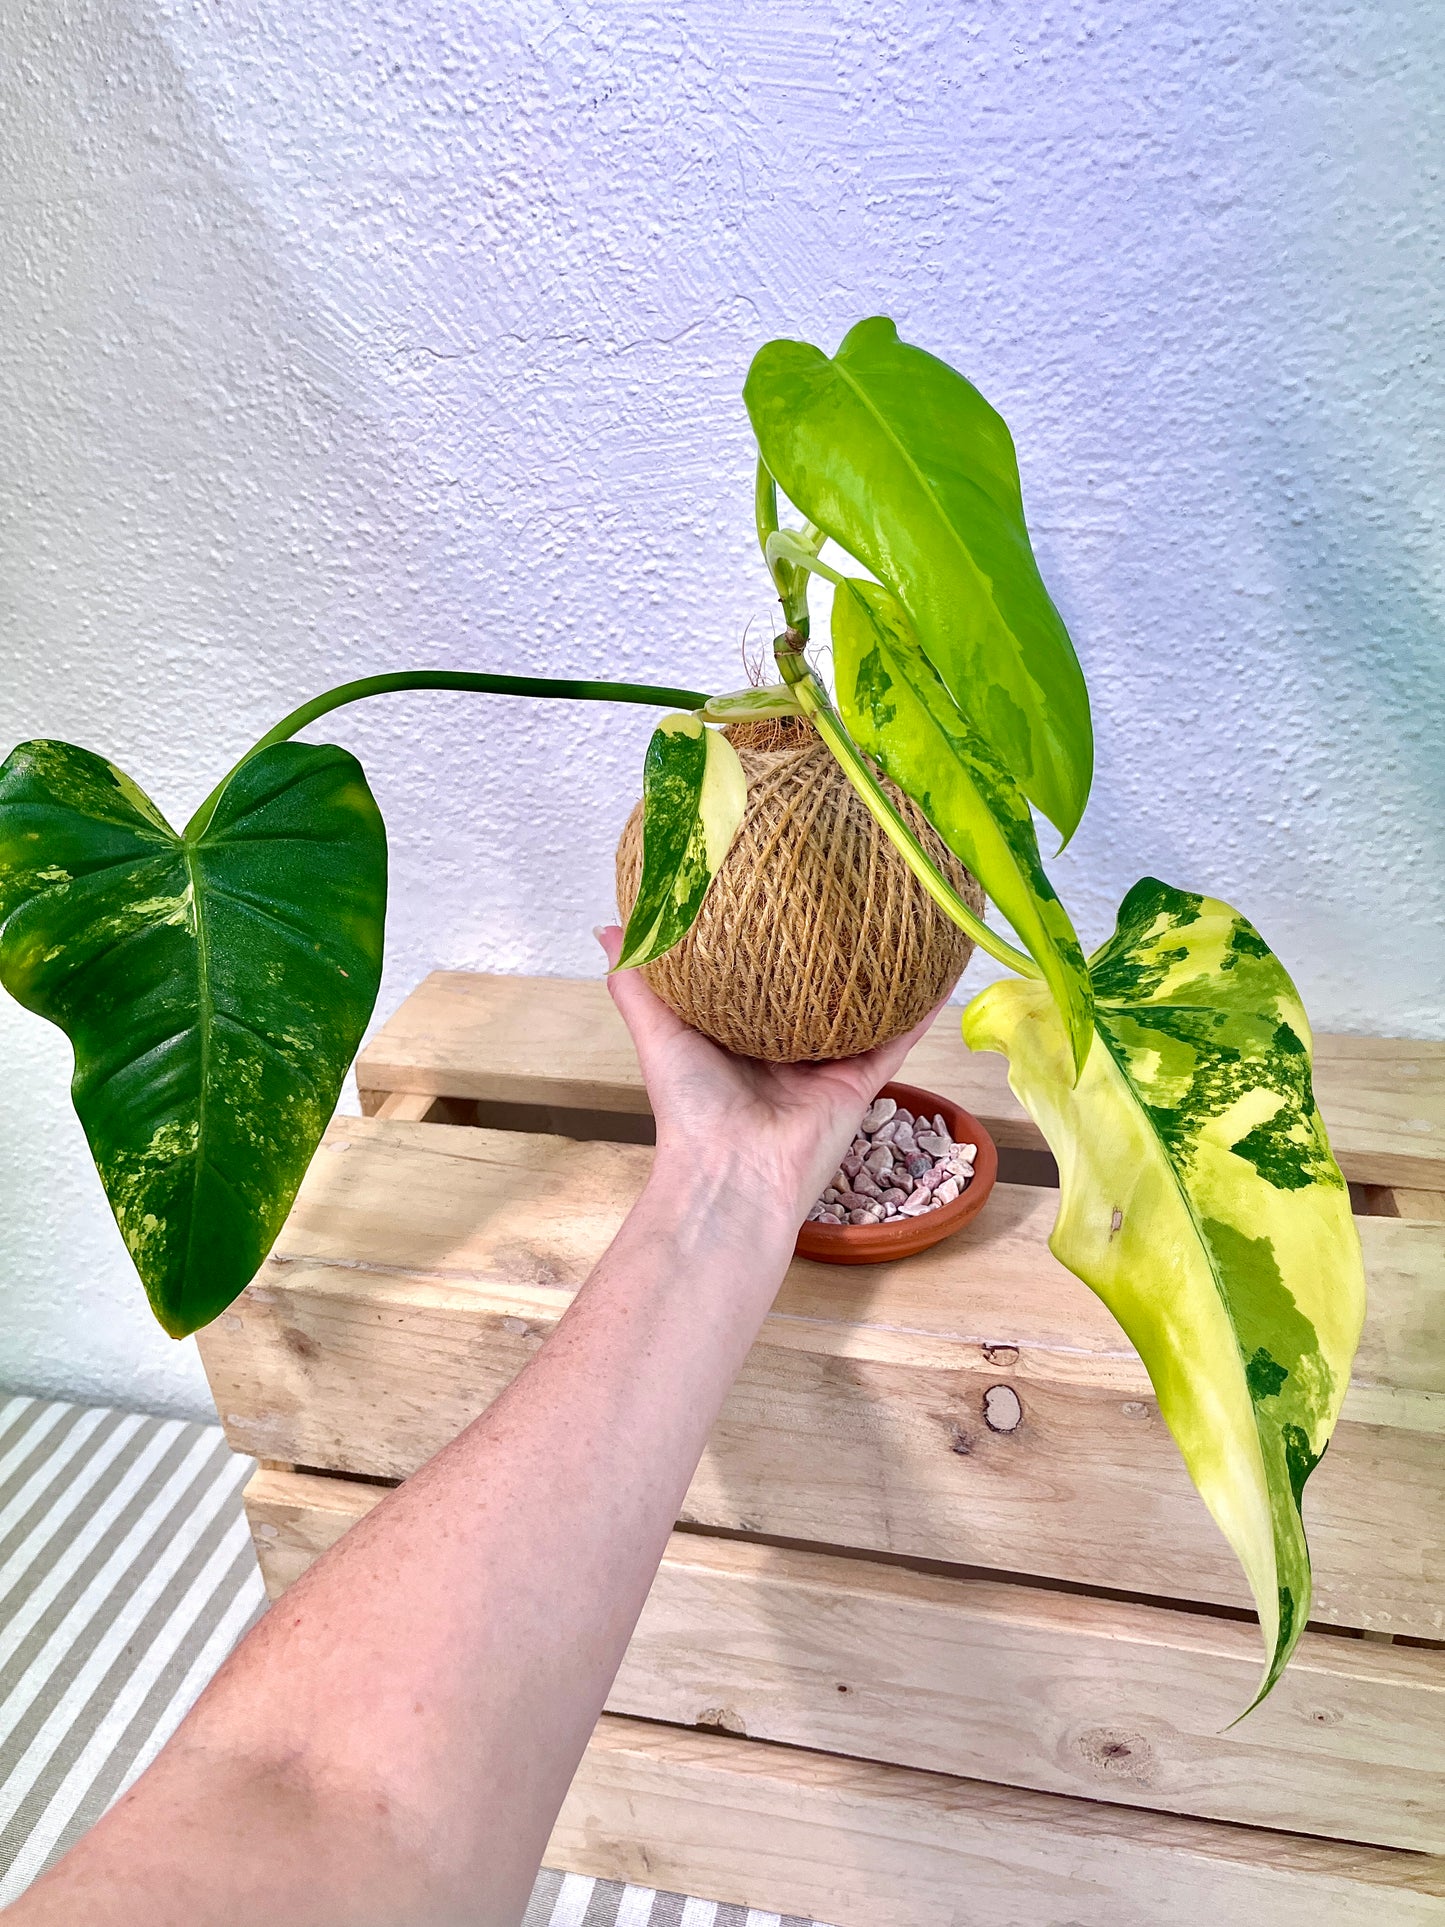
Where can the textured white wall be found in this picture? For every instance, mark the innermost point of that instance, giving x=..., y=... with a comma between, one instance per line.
x=358, y=336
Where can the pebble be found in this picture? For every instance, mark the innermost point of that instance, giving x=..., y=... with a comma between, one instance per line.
x=898, y=1166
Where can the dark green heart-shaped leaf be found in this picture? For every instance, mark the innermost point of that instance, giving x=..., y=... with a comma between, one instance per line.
x=897, y=709
x=903, y=463
x=693, y=796
x=1199, y=1198
x=215, y=987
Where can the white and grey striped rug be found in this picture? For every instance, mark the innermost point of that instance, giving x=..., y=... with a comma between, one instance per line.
x=126, y=1576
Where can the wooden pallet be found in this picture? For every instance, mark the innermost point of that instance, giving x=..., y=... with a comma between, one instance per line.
x=999, y=1663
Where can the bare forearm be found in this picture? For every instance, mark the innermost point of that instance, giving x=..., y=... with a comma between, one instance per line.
x=390, y=1746
x=412, y=1712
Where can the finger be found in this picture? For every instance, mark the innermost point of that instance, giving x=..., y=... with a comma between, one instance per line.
x=646, y=1016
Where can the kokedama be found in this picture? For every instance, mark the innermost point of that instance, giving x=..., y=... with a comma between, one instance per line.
x=800, y=893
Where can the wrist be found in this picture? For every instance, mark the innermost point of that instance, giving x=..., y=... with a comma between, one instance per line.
x=726, y=1200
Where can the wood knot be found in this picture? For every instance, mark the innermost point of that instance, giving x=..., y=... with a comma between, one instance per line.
x=1002, y=1409
x=1116, y=1755
x=1001, y=1354
x=298, y=1343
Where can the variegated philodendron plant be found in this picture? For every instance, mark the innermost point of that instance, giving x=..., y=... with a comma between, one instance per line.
x=215, y=981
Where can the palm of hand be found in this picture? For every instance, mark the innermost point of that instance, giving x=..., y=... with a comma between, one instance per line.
x=783, y=1127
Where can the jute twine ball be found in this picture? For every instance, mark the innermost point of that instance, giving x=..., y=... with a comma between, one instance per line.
x=815, y=940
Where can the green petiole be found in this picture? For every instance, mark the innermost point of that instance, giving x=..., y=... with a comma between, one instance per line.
x=813, y=701
x=477, y=684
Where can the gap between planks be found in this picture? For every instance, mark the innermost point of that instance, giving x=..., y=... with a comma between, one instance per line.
x=560, y=1041
x=948, y=1569
x=1016, y=1164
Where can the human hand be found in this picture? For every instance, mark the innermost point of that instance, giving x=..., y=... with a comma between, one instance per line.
x=772, y=1134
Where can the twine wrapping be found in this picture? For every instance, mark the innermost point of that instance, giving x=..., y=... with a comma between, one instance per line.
x=815, y=940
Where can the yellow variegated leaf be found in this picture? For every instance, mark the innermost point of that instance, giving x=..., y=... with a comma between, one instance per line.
x=1200, y=1200
x=693, y=796
x=751, y=705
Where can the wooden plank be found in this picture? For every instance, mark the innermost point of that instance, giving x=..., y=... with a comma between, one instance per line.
x=559, y=1041
x=501, y=1208
x=1059, y=1692
x=424, y=1264
x=864, y=1845
x=406, y=1107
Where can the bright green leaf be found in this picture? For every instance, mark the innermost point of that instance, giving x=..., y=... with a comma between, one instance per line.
x=693, y=795
x=1199, y=1199
x=897, y=710
x=214, y=987
x=902, y=462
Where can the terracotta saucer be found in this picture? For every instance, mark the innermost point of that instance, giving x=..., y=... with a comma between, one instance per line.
x=879, y=1244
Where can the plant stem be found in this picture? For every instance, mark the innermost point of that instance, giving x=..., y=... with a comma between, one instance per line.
x=813, y=700
x=790, y=581
x=352, y=692
x=765, y=505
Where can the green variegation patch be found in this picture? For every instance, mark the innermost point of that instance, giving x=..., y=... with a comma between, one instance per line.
x=214, y=985
x=693, y=796
x=896, y=708
x=1199, y=1198
x=902, y=462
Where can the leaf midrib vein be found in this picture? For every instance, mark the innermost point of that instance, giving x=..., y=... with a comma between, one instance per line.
x=203, y=1027
x=929, y=495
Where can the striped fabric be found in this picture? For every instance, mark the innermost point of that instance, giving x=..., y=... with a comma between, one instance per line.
x=126, y=1576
